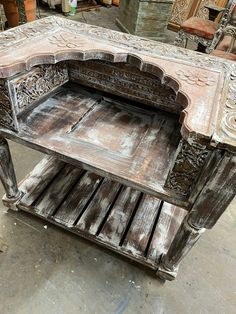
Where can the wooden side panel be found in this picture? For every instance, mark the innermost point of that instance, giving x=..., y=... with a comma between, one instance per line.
x=180, y=12
x=220, y=190
x=25, y=90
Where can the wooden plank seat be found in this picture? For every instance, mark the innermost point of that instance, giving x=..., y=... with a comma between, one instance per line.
x=108, y=135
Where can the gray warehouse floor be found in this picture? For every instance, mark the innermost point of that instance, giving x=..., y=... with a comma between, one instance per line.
x=44, y=269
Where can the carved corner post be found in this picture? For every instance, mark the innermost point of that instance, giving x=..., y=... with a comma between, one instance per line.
x=7, y=175
x=207, y=209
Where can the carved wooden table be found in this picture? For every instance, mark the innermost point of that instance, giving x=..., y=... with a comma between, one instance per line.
x=140, y=137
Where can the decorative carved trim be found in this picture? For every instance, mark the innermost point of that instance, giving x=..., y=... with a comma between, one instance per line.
x=181, y=38
x=30, y=87
x=180, y=11
x=53, y=26
x=7, y=116
x=229, y=114
x=64, y=42
x=14, y=37
x=44, y=27
x=188, y=164
x=196, y=78
x=125, y=81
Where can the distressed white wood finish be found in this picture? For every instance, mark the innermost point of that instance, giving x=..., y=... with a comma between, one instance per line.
x=93, y=211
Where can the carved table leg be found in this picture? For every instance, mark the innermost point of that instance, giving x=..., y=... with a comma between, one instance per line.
x=7, y=174
x=209, y=206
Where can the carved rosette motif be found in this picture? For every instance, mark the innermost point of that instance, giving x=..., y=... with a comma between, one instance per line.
x=38, y=82
x=229, y=115
x=196, y=78
x=7, y=116
x=188, y=164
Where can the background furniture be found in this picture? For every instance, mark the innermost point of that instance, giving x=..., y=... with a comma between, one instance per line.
x=184, y=9
x=202, y=31
x=19, y=11
x=227, y=46
x=145, y=18
x=140, y=138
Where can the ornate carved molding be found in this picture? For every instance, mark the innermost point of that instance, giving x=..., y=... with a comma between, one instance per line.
x=7, y=116
x=31, y=86
x=124, y=80
x=229, y=114
x=182, y=37
x=187, y=166
x=92, y=42
x=44, y=27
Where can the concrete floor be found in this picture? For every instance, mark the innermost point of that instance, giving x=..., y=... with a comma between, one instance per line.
x=47, y=270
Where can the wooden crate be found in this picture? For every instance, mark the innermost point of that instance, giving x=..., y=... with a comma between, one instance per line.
x=145, y=18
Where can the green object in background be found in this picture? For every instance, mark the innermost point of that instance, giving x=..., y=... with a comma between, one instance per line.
x=73, y=7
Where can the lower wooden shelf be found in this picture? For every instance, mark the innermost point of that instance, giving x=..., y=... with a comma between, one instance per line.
x=126, y=220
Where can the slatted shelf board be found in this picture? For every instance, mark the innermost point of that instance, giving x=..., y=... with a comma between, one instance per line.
x=128, y=221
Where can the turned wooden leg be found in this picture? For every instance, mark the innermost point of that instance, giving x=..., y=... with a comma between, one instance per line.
x=207, y=209
x=7, y=173
x=184, y=240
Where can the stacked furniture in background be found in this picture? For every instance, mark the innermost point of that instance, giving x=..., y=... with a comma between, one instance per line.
x=206, y=33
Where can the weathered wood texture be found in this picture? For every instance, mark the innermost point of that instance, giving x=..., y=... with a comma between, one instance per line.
x=121, y=151
x=97, y=208
x=79, y=124
x=145, y=18
x=127, y=81
x=32, y=86
x=7, y=173
x=194, y=78
x=208, y=207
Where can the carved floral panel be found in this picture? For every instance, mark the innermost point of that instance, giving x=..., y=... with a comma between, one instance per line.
x=187, y=167
x=31, y=86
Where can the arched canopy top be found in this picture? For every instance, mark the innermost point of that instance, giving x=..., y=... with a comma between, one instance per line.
x=202, y=84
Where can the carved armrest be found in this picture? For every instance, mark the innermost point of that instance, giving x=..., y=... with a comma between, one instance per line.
x=227, y=42
x=214, y=11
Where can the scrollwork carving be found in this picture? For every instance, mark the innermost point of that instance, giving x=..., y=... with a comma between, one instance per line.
x=229, y=114
x=187, y=167
x=37, y=83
